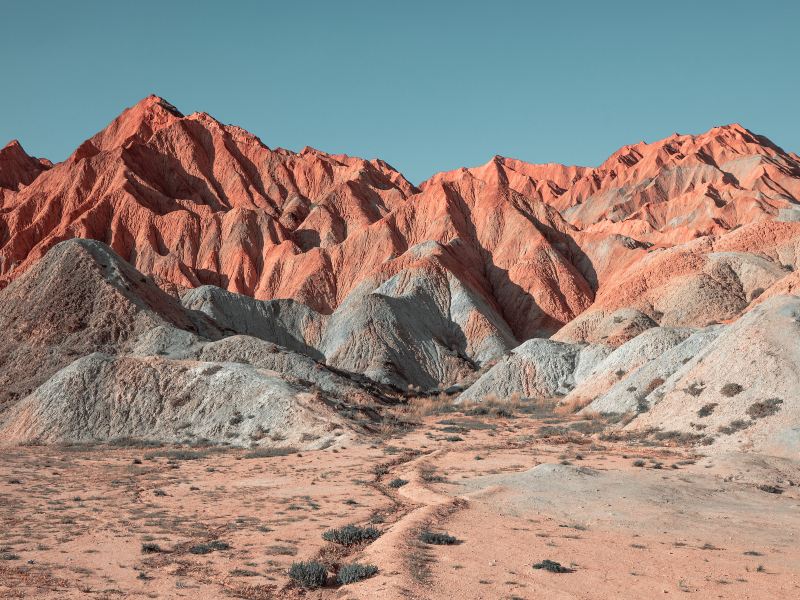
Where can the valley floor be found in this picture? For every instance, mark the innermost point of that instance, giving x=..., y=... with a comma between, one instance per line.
x=627, y=518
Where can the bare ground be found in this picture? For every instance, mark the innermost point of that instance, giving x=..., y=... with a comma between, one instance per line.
x=628, y=518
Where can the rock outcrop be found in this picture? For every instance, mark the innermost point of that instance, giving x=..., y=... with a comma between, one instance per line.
x=93, y=350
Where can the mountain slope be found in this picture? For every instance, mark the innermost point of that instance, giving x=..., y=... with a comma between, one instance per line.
x=419, y=286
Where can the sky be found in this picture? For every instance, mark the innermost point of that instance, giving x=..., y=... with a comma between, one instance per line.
x=427, y=86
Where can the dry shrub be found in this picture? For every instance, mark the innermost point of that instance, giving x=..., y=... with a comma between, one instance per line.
x=655, y=383
x=423, y=406
x=590, y=415
x=573, y=406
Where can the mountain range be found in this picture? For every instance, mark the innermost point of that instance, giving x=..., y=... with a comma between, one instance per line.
x=180, y=251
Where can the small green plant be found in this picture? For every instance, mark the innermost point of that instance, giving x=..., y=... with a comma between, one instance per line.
x=437, y=538
x=552, y=566
x=355, y=572
x=308, y=574
x=350, y=535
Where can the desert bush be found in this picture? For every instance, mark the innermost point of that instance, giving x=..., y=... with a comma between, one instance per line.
x=176, y=455
x=396, y=483
x=759, y=410
x=681, y=437
x=706, y=409
x=422, y=406
x=695, y=389
x=731, y=389
x=658, y=381
x=350, y=535
x=552, y=566
x=492, y=406
x=638, y=463
x=270, y=452
x=129, y=442
x=151, y=548
x=464, y=425
x=310, y=574
x=734, y=426
x=355, y=572
x=209, y=547
x=280, y=550
x=428, y=474
x=588, y=427
x=573, y=406
x=437, y=538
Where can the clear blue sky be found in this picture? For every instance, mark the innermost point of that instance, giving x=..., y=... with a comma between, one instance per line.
x=427, y=86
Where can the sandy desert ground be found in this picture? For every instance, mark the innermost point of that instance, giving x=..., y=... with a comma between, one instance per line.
x=628, y=518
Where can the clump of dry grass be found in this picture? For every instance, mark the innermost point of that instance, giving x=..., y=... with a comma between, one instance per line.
x=493, y=406
x=423, y=406
x=573, y=406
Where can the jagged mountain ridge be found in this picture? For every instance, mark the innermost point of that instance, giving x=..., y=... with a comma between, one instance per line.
x=489, y=256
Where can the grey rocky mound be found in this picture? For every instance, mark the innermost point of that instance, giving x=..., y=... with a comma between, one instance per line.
x=96, y=351
x=412, y=328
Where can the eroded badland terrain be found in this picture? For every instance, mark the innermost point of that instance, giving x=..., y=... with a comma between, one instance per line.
x=234, y=371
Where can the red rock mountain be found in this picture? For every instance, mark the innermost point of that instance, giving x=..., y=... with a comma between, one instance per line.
x=683, y=231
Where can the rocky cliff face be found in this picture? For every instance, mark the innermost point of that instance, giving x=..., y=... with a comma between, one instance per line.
x=346, y=261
